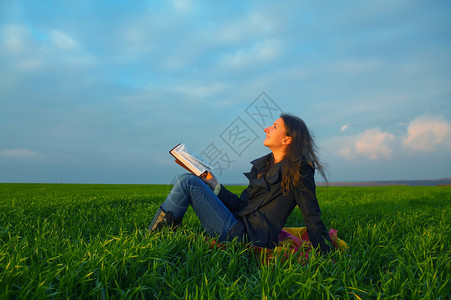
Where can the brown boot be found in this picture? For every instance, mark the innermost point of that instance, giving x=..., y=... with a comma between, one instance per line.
x=164, y=219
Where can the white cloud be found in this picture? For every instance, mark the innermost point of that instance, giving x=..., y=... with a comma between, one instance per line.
x=344, y=127
x=19, y=39
x=427, y=133
x=182, y=5
x=372, y=143
x=250, y=26
x=260, y=52
x=30, y=64
x=201, y=91
x=62, y=40
x=356, y=65
x=14, y=38
x=31, y=50
x=17, y=153
x=424, y=133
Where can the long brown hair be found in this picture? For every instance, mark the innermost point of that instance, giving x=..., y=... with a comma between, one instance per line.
x=302, y=148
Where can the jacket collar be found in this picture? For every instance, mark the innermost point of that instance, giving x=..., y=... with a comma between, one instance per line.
x=261, y=162
x=258, y=165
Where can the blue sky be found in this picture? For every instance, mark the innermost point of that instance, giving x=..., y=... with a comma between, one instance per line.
x=99, y=91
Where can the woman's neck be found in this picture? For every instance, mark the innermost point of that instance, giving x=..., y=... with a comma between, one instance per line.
x=278, y=156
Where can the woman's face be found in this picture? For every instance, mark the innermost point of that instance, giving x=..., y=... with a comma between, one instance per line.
x=276, y=135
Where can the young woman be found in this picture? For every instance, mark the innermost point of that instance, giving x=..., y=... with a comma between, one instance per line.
x=278, y=182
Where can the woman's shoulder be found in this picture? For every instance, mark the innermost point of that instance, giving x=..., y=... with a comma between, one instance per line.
x=307, y=176
x=306, y=167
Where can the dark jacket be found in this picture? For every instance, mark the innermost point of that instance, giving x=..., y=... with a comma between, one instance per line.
x=262, y=209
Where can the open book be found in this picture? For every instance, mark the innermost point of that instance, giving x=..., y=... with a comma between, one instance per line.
x=190, y=160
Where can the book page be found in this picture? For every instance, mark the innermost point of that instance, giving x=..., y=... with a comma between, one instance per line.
x=193, y=161
x=193, y=156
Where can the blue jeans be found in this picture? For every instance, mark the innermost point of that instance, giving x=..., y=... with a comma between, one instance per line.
x=214, y=216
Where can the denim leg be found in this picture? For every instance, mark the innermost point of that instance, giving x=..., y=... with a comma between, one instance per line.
x=178, y=199
x=212, y=213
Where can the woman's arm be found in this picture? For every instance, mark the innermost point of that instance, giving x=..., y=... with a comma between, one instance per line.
x=231, y=200
x=305, y=195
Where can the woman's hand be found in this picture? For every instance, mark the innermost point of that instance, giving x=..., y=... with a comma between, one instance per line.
x=209, y=179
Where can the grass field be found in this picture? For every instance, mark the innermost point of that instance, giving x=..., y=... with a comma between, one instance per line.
x=90, y=241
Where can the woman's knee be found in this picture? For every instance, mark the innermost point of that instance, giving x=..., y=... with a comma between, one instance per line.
x=182, y=177
x=188, y=179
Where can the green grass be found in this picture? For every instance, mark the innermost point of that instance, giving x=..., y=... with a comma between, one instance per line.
x=90, y=241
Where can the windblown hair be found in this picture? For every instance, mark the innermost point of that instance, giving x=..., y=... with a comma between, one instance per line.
x=302, y=148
